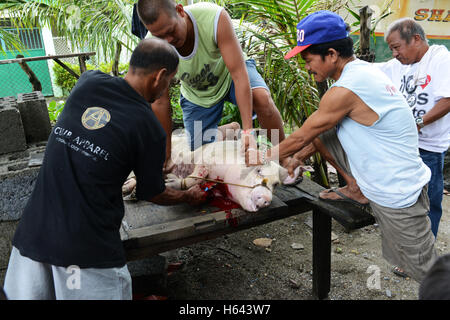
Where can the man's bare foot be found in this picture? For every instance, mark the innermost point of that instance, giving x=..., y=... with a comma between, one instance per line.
x=344, y=194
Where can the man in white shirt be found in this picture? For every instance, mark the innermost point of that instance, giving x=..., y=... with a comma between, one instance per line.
x=421, y=73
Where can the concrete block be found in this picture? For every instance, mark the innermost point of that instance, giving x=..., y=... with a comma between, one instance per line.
x=17, y=180
x=12, y=134
x=16, y=189
x=35, y=118
x=7, y=230
x=8, y=101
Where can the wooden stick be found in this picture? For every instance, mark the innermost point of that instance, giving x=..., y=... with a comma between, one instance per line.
x=223, y=182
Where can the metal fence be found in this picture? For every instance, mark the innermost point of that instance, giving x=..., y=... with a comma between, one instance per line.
x=13, y=79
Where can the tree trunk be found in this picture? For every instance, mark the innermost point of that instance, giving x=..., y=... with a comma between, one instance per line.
x=31, y=75
x=115, y=66
x=365, y=15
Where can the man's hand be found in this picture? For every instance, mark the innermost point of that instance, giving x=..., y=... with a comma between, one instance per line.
x=195, y=195
x=293, y=164
x=247, y=140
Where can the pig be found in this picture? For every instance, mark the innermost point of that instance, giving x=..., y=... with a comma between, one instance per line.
x=223, y=162
x=250, y=187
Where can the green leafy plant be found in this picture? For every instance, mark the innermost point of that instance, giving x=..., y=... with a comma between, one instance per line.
x=54, y=109
x=66, y=81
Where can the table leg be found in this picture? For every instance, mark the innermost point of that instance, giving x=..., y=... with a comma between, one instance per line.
x=321, y=254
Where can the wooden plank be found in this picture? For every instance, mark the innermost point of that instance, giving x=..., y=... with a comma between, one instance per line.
x=294, y=198
x=62, y=64
x=349, y=215
x=61, y=56
x=154, y=239
x=188, y=226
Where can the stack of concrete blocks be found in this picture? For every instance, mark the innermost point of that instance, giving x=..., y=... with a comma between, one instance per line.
x=35, y=119
x=24, y=130
x=12, y=136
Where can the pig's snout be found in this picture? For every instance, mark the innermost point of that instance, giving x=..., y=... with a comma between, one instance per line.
x=261, y=197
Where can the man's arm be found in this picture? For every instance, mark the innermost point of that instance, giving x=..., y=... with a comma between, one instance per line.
x=335, y=104
x=440, y=109
x=163, y=111
x=193, y=196
x=232, y=56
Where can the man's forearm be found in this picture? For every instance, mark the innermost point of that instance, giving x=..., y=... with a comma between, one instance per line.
x=244, y=101
x=440, y=109
x=170, y=196
x=292, y=144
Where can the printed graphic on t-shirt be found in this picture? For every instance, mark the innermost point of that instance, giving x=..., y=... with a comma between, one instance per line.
x=80, y=144
x=95, y=118
x=415, y=100
x=203, y=80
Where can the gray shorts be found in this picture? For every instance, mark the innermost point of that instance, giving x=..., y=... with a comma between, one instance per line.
x=27, y=279
x=406, y=237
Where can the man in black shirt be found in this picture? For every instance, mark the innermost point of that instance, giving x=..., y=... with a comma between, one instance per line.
x=67, y=244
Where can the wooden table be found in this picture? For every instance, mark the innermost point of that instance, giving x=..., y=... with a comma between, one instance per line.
x=149, y=229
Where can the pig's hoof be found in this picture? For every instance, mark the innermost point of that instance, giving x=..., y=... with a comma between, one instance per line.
x=128, y=186
x=174, y=182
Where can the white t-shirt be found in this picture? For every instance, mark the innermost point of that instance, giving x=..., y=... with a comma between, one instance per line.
x=423, y=84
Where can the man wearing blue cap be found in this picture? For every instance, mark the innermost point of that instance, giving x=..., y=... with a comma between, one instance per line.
x=367, y=127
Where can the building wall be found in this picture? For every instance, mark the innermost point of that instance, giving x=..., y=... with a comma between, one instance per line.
x=432, y=15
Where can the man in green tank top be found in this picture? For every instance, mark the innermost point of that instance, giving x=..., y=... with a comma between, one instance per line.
x=212, y=69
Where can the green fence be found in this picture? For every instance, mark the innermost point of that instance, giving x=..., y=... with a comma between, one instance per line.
x=13, y=79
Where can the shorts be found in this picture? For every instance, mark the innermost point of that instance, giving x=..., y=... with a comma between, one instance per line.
x=201, y=123
x=27, y=279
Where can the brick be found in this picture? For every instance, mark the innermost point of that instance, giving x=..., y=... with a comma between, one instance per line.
x=12, y=135
x=35, y=118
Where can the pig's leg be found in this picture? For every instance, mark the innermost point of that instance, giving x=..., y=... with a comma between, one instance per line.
x=200, y=171
x=129, y=185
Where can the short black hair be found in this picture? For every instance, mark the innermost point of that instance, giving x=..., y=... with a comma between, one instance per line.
x=435, y=285
x=154, y=54
x=343, y=46
x=149, y=10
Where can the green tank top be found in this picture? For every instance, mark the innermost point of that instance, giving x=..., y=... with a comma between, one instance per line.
x=204, y=77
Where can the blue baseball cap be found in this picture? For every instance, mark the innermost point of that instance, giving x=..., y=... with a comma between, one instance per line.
x=318, y=27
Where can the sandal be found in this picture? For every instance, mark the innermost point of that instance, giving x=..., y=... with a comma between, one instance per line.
x=400, y=272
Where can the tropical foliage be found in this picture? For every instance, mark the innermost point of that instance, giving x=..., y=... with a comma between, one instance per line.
x=268, y=33
x=96, y=25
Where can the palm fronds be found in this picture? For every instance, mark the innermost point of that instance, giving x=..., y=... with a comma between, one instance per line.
x=96, y=25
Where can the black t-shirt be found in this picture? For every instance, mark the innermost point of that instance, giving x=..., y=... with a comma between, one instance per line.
x=74, y=214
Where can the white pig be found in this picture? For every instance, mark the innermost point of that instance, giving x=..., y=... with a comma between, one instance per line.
x=223, y=161
x=250, y=187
